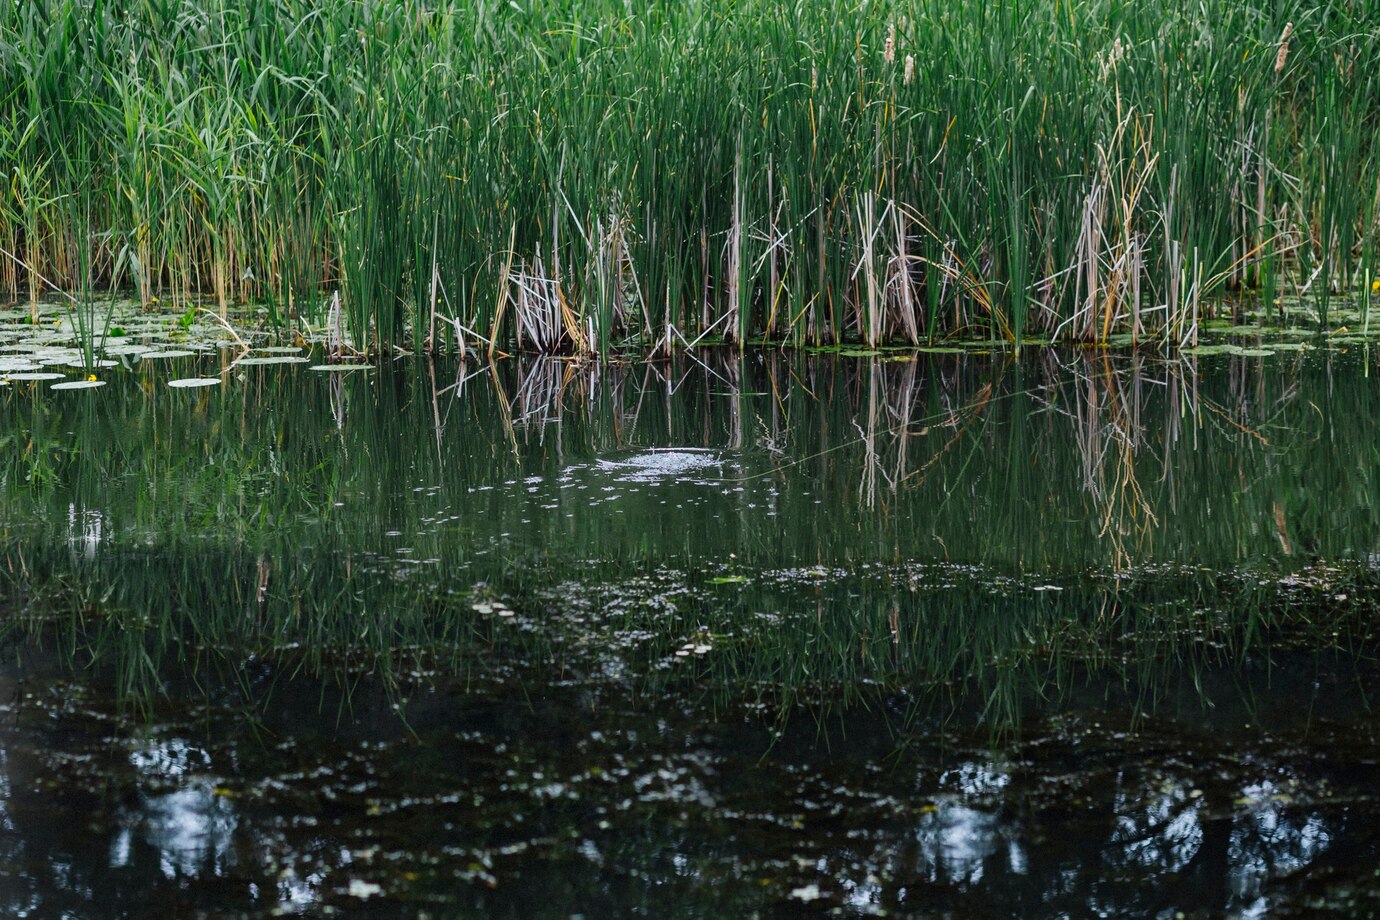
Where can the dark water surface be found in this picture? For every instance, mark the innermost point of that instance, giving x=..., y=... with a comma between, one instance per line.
x=1073, y=634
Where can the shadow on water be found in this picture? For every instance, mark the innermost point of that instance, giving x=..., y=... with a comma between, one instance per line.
x=945, y=635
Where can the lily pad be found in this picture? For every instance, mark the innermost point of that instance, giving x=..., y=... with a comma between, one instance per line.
x=190, y=382
x=341, y=367
x=78, y=385
x=271, y=359
x=171, y=353
x=36, y=375
x=1212, y=350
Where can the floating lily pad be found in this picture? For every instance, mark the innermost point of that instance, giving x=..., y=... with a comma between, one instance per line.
x=341, y=367
x=278, y=349
x=272, y=359
x=189, y=382
x=78, y=385
x=171, y=353
x=36, y=375
x=728, y=580
x=100, y=362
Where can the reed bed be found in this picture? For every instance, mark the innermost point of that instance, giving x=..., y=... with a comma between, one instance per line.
x=582, y=175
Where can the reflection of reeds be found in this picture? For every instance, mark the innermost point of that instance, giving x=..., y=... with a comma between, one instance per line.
x=984, y=479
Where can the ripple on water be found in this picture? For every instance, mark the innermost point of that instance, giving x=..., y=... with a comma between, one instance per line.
x=681, y=463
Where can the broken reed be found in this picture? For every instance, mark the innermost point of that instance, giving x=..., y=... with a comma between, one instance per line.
x=572, y=176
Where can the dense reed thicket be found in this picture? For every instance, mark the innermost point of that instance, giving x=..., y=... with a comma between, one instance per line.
x=578, y=174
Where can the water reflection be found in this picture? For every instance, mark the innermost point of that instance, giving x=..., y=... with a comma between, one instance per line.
x=1068, y=460
x=599, y=625
x=820, y=525
x=479, y=805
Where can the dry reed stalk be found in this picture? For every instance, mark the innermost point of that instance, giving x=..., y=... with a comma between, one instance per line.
x=735, y=255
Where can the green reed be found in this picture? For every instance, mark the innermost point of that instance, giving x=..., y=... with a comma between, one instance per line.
x=580, y=176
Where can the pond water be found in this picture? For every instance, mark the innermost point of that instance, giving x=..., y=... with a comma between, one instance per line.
x=919, y=634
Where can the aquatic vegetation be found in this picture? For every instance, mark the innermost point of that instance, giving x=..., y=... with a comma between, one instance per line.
x=575, y=176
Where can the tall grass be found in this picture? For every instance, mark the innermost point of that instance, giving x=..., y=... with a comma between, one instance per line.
x=583, y=175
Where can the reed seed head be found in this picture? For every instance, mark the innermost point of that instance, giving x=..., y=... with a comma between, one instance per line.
x=1283, y=55
x=1106, y=62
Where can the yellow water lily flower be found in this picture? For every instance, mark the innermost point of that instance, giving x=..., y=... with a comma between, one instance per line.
x=90, y=378
x=1375, y=286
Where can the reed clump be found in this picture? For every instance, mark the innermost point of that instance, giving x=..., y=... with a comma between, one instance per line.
x=578, y=175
